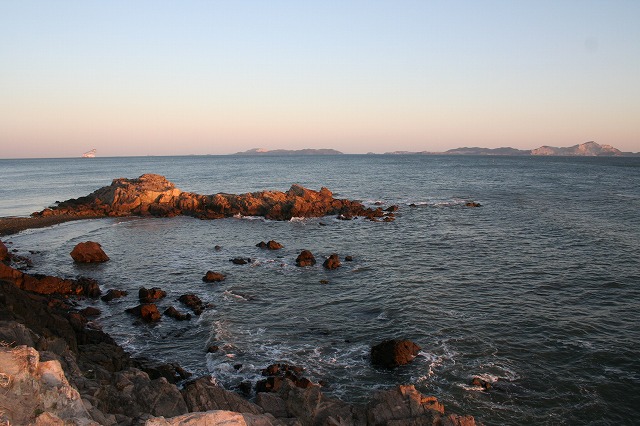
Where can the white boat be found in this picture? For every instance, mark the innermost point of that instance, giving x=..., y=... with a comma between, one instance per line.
x=89, y=154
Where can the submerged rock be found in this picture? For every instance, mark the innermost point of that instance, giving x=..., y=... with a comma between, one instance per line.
x=240, y=260
x=393, y=353
x=113, y=294
x=89, y=252
x=175, y=314
x=193, y=302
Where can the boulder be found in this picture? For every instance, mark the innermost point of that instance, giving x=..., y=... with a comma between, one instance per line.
x=393, y=353
x=88, y=252
x=211, y=277
x=175, y=314
x=271, y=245
x=148, y=312
x=332, y=262
x=204, y=395
x=473, y=204
x=113, y=294
x=305, y=258
x=193, y=302
x=348, y=258
x=148, y=295
x=90, y=311
x=240, y=260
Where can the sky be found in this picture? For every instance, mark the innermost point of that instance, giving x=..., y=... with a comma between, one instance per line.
x=154, y=77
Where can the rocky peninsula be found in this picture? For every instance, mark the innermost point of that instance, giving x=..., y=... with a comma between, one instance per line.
x=154, y=195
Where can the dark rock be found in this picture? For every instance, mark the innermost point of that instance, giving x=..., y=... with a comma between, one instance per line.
x=175, y=314
x=240, y=260
x=211, y=277
x=148, y=295
x=148, y=312
x=393, y=353
x=113, y=294
x=478, y=381
x=204, y=395
x=271, y=245
x=212, y=349
x=90, y=311
x=270, y=384
x=88, y=252
x=332, y=262
x=473, y=204
x=217, y=248
x=171, y=371
x=4, y=252
x=393, y=208
x=324, y=281
x=245, y=388
x=305, y=258
x=193, y=302
x=348, y=258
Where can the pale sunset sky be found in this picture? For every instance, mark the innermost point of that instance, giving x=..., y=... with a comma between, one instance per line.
x=215, y=77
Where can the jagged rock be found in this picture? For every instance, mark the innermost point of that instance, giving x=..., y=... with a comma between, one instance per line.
x=113, y=294
x=154, y=195
x=46, y=284
x=193, y=302
x=203, y=395
x=89, y=252
x=31, y=388
x=215, y=417
x=148, y=312
x=332, y=262
x=211, y=277
x=271, y=245
x=175, y=314
x=305, y=258
x=169, y=370
x=393, y=353
x=148, y=295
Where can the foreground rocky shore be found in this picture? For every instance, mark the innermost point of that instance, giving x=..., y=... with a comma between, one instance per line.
x=57, y=367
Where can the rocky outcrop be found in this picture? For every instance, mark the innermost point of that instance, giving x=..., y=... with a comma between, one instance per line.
x=305, y=258
x=154, y=195
x=88, y=252
x=38, y=392
x=211, y=277
x=393, y=353
x=271, y=245
x=332, y=262
x=113, y=294
x=148, y=295
x=46, y=284
x=193, y=302
x=148, y=312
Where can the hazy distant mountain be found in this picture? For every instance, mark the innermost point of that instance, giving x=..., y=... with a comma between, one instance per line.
x=587, y=149
x=262, y=151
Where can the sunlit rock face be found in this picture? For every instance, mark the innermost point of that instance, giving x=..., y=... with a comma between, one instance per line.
x=154, y=195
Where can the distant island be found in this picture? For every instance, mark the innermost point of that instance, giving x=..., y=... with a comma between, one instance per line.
x=262, y=151
x=587, y=149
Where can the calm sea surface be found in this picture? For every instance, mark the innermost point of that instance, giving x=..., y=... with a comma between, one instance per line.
x=538, y=290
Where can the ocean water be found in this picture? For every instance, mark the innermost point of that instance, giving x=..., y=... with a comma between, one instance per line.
x=537, y=291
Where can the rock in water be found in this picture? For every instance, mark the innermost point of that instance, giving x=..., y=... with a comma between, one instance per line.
x=148, y=312
x=271, y=245
x=393, y=353
x=148, y=295
x=305, y=258
x=211, y=277
x=89, y=252
x=332, y=262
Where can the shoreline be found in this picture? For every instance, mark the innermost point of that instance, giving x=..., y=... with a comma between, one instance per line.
x=13, y=224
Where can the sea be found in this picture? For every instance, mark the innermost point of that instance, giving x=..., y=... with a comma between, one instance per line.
x=537, y=291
